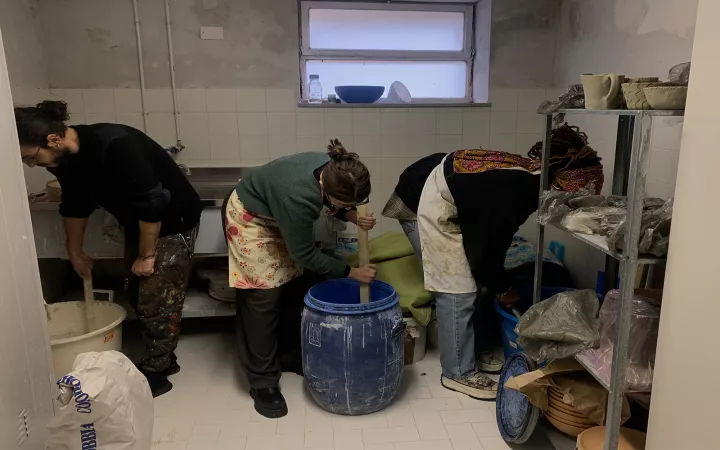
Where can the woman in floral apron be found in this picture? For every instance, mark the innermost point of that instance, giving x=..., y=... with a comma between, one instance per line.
x=269, y=223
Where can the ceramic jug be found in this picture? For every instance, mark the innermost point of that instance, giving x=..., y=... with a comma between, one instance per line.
x=602, y=91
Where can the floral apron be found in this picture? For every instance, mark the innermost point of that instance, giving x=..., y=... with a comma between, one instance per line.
x=445, y=266
x=257, y=255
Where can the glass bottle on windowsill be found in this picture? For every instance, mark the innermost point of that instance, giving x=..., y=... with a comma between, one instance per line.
x=315, y=93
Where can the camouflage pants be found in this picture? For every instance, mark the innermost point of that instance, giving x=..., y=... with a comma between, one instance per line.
x=158, y=299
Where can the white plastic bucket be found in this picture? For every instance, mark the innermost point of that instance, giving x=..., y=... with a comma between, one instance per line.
x=66, y=322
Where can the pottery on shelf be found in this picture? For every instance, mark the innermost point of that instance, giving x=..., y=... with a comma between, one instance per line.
x=602, y=91
x=666, y=97
x=642, y=80
x=635, y=96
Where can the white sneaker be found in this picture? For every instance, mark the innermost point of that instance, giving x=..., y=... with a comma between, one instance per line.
x=487, y=363
x=477, y=386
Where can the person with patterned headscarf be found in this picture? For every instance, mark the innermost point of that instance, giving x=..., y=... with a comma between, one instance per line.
x=460, y=211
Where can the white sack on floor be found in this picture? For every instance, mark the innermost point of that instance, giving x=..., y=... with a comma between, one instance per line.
x=105, y=403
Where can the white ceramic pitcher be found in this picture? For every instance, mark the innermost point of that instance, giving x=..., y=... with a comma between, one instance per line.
x=602, y=91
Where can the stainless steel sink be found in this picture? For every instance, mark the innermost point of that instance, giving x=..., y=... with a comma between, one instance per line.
x=213, y=184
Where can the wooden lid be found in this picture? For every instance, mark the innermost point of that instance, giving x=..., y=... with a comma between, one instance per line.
x=594, y=438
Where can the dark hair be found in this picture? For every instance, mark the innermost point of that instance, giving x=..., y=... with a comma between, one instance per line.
x=35, y=123
x=345, y=177
x=569, y=150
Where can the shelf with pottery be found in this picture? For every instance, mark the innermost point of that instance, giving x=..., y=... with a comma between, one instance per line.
x=602, y=97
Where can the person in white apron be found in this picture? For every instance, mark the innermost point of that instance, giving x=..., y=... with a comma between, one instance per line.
x=460, y=212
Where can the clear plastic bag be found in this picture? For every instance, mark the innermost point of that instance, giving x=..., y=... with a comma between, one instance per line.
x=593, y=219
x=644, y=324
x=560, y=326
x=654, y=231
x=555, y=203
x=680, y=74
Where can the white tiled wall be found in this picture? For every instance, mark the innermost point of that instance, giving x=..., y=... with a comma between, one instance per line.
x=221, y=127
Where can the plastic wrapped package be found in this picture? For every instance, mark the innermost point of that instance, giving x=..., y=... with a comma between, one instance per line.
x=105, y=403
x=560, y=326
x=555, y=203
x=574, y=98
x=654, y=231
x=644, y=325
x=680, y=74
x=593, y=219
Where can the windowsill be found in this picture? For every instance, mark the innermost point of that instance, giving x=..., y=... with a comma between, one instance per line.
x=393, y=105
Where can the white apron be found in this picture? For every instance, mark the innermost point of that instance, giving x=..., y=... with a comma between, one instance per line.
x=445, y=266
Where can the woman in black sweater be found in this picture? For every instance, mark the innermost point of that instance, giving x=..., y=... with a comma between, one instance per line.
x=460, y=212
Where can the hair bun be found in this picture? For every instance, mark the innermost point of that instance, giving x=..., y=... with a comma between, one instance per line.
x=337, y=152
x=56, y=111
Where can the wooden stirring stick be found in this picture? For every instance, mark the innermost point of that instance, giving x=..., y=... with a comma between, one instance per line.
x=363, y=254
x=89, y=303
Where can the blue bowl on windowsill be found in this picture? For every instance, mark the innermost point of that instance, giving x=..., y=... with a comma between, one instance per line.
x=359, y=94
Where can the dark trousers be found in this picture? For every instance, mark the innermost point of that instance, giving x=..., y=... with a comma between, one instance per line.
x=267, y=324
x=158, y=299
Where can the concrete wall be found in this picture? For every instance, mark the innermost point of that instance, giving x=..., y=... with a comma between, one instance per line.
x=636, y=38
x=683, y=414
x=237, y=97
x=632, y=37
x=23, y=50
x=98, y=49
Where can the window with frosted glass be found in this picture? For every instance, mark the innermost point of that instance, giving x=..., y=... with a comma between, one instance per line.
x=427, y=47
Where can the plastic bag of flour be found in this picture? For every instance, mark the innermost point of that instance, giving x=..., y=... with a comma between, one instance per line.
x=105, y=403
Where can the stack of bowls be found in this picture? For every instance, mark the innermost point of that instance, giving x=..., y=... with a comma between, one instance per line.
x=565, y=417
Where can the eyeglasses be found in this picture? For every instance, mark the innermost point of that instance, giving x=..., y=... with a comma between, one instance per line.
x=329, y=200
x=31, y=160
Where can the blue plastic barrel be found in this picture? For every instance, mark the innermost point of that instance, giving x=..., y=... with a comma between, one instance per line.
x=352, y=352
x=508, y=321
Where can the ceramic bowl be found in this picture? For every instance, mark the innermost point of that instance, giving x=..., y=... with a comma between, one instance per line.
x=570, y=430
x=634, y=95
x=643, y=79
x=666, y=97
x=569, y=419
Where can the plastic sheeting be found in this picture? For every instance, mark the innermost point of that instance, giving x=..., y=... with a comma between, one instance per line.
x=560, y=326
x=654, y=231
x=644, y=325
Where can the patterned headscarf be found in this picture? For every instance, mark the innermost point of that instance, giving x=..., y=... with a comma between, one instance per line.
x=573, y=164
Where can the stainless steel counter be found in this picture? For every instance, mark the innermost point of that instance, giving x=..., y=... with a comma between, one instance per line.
x=212, y=184
x=53, y=206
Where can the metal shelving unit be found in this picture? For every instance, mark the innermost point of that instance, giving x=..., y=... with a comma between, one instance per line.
x=629, y=176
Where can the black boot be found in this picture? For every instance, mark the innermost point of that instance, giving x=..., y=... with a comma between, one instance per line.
x=173, y=368
x=269, y=402
x=159, y=384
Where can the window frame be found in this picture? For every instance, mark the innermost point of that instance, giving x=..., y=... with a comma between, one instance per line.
x=467, y=54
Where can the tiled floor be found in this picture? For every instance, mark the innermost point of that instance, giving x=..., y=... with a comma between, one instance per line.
x=209, y=409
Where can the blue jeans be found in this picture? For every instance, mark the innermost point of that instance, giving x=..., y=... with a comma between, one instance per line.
x=456, y=332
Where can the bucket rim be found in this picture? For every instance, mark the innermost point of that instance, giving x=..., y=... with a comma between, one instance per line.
x=352, y=309
x=97, y=332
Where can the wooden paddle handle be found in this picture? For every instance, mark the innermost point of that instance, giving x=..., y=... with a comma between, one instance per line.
x=88, y=288
x=89, y=303
x=363, y=254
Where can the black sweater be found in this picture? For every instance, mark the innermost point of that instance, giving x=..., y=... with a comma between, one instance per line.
x=491, y=208
x=131, y=176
